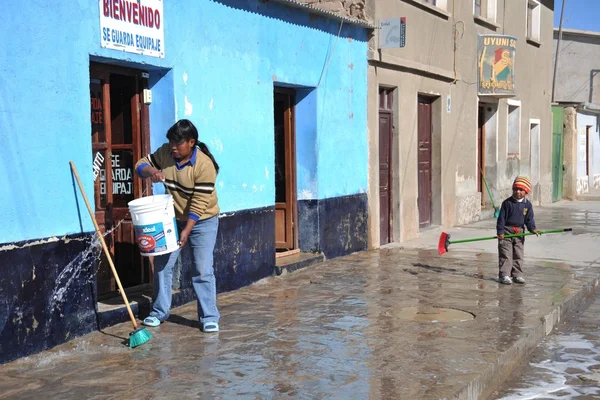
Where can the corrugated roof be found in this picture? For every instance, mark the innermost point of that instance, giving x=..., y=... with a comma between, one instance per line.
x=324, y=13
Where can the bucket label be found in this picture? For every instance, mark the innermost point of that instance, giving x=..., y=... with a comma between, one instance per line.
x=156, y=238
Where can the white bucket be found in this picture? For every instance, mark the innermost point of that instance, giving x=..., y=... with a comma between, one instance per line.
x=154, y=224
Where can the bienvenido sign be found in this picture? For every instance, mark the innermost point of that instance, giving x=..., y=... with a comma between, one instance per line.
x=133, y=26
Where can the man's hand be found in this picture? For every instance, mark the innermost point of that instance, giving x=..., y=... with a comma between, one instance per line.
x=501, y=236
x=183, y=237
x=185, y=232
x=154, y=174
x=537, y=232
x=157, y=177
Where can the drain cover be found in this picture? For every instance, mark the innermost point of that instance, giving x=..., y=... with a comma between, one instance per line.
x=434, y=314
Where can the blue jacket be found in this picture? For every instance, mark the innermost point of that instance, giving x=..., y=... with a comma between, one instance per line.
x=514, y=213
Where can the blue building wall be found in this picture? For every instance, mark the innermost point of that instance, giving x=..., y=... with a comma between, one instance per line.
x=222, y=61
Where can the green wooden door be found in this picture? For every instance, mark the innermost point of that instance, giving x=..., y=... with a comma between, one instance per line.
x=557, y=152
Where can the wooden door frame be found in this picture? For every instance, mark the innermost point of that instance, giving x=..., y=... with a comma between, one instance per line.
x=140, y=142
x=290, y=176
x=142, y=110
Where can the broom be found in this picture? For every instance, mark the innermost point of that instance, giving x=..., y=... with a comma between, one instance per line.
x=445, y=241
x=140, y=335
x=496, y=209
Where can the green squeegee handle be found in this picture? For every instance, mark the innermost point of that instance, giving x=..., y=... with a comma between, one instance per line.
x=512, y=235
x=488, y=188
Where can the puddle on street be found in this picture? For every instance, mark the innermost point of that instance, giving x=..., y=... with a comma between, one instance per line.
x=434, y=314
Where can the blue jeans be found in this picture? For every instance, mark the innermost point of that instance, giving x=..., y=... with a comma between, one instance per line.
x=202, y=241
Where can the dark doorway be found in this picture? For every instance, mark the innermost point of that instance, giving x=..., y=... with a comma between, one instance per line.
x=285, y=170
x=424, y=160
x=481, y=152
x=385, y=164
x=119, y=138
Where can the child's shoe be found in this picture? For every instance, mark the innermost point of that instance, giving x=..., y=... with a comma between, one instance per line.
x=518, y=279
x=505, y=280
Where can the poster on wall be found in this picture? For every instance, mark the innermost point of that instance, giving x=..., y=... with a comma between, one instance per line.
x=135, y=26
x=496, y=65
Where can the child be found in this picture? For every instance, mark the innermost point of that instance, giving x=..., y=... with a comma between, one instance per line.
x=516, y=213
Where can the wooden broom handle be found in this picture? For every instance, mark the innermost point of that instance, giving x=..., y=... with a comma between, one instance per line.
x=106, y=252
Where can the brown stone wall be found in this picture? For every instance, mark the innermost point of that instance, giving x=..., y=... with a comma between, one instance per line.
x=356, y=9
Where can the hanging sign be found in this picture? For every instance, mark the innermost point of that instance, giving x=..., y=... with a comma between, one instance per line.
x=135, y=26
x=496, y=64
x=392, y=33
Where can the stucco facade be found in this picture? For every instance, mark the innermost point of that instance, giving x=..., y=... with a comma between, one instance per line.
x=577, y=89
x=440, y=63
x=578, y=67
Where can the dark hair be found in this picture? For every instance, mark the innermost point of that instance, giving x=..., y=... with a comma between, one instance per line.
x=184, y=129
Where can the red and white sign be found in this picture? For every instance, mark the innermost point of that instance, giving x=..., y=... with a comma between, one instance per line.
x=146, y=243
x=135, y=26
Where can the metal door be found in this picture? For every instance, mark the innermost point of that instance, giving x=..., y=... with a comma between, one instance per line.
x=557, y=152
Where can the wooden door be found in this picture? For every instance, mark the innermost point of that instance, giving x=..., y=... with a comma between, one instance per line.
x=385, y=176
x=481, y=152
x=117, y=143
x=386, y=99
x=424, y=161
x=285, y=173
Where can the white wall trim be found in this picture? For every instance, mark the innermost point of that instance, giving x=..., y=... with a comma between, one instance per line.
x=536, y=20
x=519, y=109
x=534, y=121
x=514, y=103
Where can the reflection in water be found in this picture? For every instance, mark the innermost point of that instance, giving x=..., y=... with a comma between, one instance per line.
x=510, y=321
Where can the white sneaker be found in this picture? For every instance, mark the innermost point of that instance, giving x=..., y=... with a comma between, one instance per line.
x=505, y=280
x=210, y=327
x=519, y=279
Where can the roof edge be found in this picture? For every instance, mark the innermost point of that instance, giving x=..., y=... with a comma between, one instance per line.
x=579, y=32
x=327, y=14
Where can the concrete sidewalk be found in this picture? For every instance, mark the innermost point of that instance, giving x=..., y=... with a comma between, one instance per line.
x=400, y=322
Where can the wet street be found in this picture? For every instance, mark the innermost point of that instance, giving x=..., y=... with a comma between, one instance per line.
x=565, y=366
x=401, y=322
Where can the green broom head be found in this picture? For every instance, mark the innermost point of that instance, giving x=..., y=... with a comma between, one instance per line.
x=138, y=337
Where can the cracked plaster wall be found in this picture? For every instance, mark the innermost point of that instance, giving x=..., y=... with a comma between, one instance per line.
x=357, y=9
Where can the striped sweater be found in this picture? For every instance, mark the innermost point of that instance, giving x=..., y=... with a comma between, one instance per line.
x=191, y=184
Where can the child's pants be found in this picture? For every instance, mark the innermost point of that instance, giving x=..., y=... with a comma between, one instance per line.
x=510, y=254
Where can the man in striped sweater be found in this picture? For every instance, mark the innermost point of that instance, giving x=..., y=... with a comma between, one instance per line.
x=188, y=170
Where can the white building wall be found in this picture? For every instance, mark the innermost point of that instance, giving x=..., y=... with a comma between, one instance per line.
x=587, y=158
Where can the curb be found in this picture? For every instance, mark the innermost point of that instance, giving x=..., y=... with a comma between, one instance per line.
x=493, y=376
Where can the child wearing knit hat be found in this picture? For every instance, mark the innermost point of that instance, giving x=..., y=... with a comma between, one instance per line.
x=516, y=213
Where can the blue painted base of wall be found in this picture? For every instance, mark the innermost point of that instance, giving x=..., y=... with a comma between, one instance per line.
x=336, y=226
x=245, y=250
x=44, y=302
x=46, y=294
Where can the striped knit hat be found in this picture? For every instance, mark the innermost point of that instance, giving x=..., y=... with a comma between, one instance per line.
x=522, y=182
